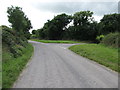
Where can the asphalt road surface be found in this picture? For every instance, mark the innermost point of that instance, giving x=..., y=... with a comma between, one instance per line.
x=54, y=66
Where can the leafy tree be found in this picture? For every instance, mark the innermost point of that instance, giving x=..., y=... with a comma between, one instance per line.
x=19, y=21
x=54, y=29
x=92, y=31
x=41, y=34
x=71, y=33
x=82, y=18
x=35, y=34
x=33, y=31
x=110, y=23
x=84, y=26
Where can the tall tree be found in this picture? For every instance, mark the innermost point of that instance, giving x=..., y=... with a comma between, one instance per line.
x=19, y=21
x=54, y=29
x=82, y=18
x=83, y=25
x=110, y=23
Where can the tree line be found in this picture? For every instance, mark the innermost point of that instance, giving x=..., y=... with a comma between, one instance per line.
x=84, y=27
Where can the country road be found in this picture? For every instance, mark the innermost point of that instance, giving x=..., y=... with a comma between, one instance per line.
x=54, y=66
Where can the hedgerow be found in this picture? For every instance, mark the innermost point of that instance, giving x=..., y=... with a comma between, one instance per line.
x=112, y=39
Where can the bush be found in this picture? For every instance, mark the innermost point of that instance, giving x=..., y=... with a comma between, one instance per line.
x=8, y=36
x=16, y=50
x=33, y=37
x=112, y=39
x=13, y=41
x=99, y=38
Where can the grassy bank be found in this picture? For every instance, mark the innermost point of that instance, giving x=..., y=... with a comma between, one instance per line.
x=104, y=55
x=12, y=67
x=55, y=41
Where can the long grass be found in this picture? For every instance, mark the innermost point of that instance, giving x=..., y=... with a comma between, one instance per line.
x=102, y=54
x=12, y=67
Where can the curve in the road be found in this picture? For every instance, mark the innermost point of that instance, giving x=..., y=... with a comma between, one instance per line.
x=54, y=66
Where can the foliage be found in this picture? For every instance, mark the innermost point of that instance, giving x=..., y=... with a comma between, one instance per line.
x=41, y=33
x=53, y=29
x=99, y=38
x=110, y=23
x=19, y=21
x=12, y=67
x=82, y=18
x=16, y=37
x=33, y=31
x=104, y=55
x=11, y=40
x=85, y=28
x=112, y=39
x=15, y=48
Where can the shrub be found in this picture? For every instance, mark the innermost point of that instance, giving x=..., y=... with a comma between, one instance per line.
x=8, y=36
x=33, y=36
x=99, y=38
x=13, y=41
x=16, y=51
x=112, y=39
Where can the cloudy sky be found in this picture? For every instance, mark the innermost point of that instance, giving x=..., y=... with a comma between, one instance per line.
x=39, y=11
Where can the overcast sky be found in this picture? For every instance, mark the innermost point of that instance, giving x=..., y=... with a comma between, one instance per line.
x=39, y=11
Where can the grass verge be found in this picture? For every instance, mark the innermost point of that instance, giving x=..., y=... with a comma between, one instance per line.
x=12, y=67
x=102, y=54
x=56, y=41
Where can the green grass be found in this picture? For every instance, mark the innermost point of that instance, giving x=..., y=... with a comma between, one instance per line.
x=55, y=41
x=104, y=55
x=12, y=67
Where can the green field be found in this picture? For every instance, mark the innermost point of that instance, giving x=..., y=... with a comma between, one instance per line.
x=104, y=55
x=12, y=67
x=55, y=41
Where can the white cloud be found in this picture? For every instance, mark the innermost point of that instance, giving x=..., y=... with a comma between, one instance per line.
x=97, y=18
